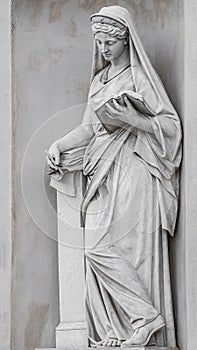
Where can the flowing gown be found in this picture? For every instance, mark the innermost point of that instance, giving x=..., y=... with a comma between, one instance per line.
x=130, y=205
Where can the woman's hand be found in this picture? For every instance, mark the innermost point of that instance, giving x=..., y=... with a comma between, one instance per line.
x=54, y=153
x=129, y=115
x=125, y=113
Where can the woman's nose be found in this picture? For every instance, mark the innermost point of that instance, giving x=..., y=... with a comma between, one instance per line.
x=104, y=48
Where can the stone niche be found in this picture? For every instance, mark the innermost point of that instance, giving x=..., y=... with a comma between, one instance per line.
x=51, y=60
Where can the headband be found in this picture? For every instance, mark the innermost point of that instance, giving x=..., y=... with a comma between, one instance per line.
x=97, y=18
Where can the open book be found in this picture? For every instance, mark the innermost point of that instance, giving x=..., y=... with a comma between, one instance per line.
x=136, y=100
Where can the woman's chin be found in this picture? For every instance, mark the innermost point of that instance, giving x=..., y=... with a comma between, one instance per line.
x=107, y=58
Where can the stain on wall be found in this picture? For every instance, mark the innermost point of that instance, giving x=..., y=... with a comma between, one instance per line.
x=63, y=2
x=34, y=330
x=95, y=5
x=34, y=8
x=156, y=13
x=55, y=12
x=34, y=61
x=71, y=28
x=43, y=59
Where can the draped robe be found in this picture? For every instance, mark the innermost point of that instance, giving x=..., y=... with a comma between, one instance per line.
x=130, y=204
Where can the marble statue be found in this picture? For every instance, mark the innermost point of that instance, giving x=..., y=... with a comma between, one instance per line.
x=130, y=159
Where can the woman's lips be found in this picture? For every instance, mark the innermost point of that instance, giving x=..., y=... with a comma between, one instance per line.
x=107, y=54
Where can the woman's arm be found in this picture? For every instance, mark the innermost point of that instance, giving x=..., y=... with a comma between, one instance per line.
x=78, y=137
x=129, y=115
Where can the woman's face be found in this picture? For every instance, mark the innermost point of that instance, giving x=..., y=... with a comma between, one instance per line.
x=109, y=46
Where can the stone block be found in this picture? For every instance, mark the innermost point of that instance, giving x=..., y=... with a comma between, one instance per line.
x=136, y=348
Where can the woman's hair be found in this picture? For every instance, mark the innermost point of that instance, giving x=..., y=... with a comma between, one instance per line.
x=110, y=27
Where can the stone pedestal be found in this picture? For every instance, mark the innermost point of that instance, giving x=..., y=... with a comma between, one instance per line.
x=138, y=348
x=71, y=332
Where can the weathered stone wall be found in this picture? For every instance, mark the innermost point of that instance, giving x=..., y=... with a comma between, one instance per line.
x=5, y=174
x=190, y=168
x=52, y=49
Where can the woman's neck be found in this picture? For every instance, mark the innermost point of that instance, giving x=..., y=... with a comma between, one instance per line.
x=121, y=61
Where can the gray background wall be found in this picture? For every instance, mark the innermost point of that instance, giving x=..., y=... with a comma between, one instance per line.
x=52, y=48
x=5, y=174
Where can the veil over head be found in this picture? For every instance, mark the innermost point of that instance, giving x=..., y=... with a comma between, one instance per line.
x=140, y=63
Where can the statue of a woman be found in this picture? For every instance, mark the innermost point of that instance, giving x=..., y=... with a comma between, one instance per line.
x=130, y=161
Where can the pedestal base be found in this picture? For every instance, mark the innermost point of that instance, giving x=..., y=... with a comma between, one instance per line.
x=137, y=348
x=72, y=335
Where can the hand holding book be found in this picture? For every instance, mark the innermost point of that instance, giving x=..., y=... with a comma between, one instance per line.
x=125, y=113
x=121, y=110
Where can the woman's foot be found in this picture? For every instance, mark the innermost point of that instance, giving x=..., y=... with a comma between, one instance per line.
x=106, y=343
x=143, y=334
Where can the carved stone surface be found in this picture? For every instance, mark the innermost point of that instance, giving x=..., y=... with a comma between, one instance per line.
x=130, y=201
x=6, y=199
x=72, y=330
x=138, y=348
x=124, y=254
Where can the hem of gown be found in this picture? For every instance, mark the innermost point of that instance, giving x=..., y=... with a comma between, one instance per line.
x=147, y=323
